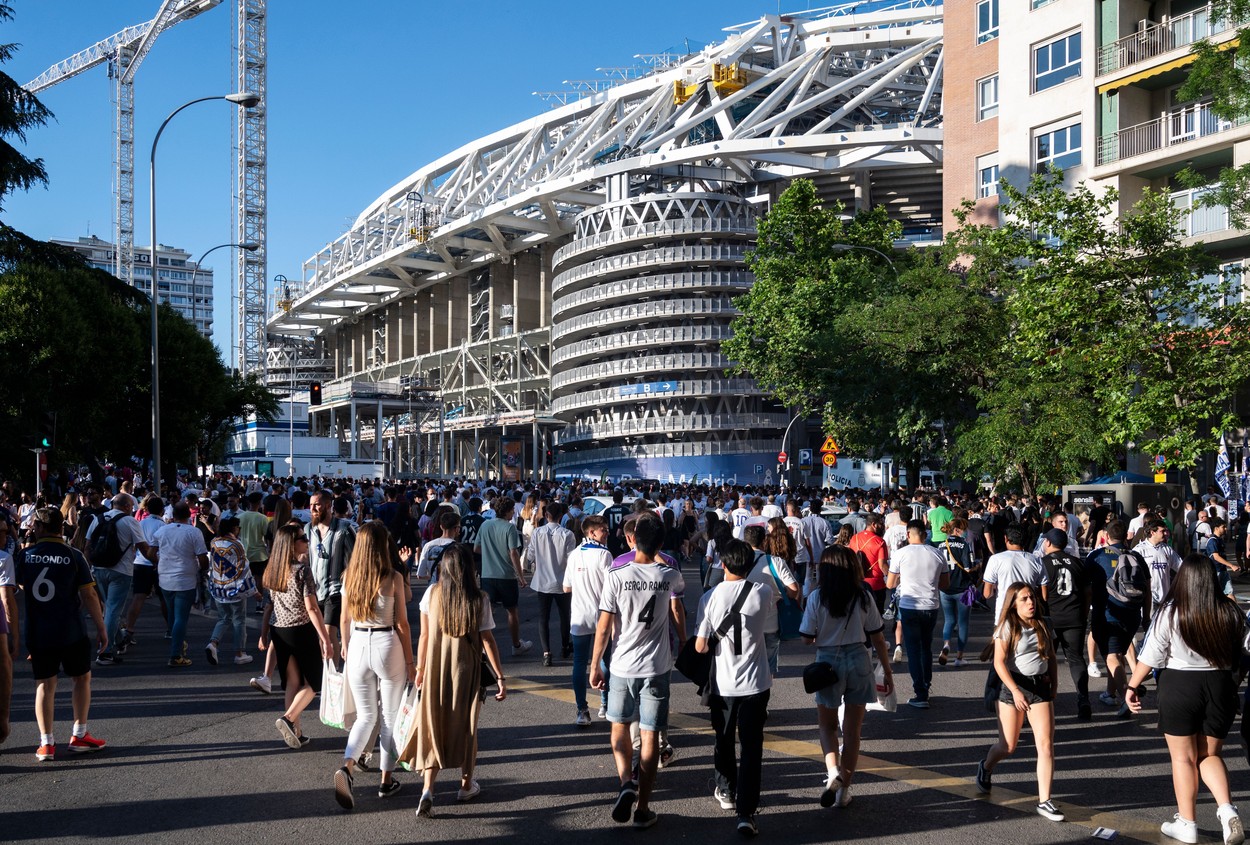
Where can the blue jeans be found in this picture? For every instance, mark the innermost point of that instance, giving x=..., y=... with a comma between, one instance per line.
x=918, y=641
x=583, y=646
x=179, y=603
x=114, y=589
x=954, y=611
x=234, y=615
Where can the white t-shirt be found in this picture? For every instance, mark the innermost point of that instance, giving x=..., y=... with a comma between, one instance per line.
x=180, y=545
x=741, y=657
x=150, y=525
x=1166, y=649
x=8, y=574
x=1006, y=568
x=761, y=574
x=857, y=626
x=486, y=623
x=587, y=567
x=919, y=567
x=771, y=511
x=799, y=532
x=739, y=530
x=738, y=519
x=1026, y=660
x=129, y=535
x=430, y=553
x=895, y=537
x=1163, y=562
x=639, y=594
x=548, y=551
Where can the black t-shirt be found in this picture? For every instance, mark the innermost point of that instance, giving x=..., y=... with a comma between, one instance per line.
x=1066, y=594
x=957, y=552
x=51, y=572
x=615, y=515
x=996, y=524
x=470, y=524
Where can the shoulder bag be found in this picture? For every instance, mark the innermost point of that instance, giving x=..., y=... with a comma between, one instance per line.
x=700, y=668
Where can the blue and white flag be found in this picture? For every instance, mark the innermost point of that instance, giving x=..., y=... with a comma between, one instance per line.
x=1221, y=468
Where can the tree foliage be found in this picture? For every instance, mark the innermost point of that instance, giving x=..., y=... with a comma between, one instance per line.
x=1034, y=350
x=19, y=111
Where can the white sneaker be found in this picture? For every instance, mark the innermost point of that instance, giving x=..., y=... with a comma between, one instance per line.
x=525, y=646
x=833, y=787
x=210, y=651
x=261, y=683
x=723, y=798
x=1182, y=830
x=603, y=713
x=242, y=659
x=474, y=790
x=583, y=718
x=1095, y=671
x=1234, y=833
x=959, y=661
x=898, y=654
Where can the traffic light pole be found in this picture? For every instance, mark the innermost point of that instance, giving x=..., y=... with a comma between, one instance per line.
x=38, y=471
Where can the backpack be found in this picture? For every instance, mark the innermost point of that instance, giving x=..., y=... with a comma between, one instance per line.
x=1130, y=579
x=105, y=548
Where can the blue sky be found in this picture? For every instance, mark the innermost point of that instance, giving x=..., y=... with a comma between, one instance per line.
x=360, y=95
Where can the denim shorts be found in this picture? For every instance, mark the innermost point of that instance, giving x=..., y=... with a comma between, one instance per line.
x=644, y=699
x=855, y=684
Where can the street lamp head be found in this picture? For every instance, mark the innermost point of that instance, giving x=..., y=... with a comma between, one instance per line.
x=244, y=98
x=250, y=246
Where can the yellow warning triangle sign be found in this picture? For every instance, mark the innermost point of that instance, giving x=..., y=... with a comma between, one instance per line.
x=829, y=445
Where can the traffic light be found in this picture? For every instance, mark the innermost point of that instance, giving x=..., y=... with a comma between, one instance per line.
x=314, y=393
x=47, y=430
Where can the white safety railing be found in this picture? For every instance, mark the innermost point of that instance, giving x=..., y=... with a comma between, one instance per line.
x=681, y=227
x=645, y=259
x=680, y=389
x=641, y=338
x=625, y=369
x=666, y=309
x=1179, y=126
x=1159, y=38
x=631, y=289
x=586, y=430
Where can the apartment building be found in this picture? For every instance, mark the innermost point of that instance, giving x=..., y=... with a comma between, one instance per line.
x=180, y=282
x=1093, y=88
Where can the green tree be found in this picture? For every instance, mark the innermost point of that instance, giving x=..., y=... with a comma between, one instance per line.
x=1223, y=75
x=19, y=111
x=1129, y=332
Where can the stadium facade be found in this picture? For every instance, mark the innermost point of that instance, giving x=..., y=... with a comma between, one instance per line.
x=551, y=298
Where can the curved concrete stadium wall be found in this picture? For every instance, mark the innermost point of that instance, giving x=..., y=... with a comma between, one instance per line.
x=643, y=297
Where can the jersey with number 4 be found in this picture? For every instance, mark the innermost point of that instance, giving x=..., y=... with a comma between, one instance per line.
x=51, y=572
x=639, y=594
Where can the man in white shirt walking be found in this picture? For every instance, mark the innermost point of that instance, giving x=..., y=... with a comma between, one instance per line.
x=918, y=571
x=546, y=556
x=587, y=567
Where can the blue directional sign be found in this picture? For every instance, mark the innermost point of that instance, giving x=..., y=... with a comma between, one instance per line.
x=649, y=388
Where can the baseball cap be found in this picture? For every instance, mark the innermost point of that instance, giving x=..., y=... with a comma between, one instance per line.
x=1057, y=537
x=50, y=518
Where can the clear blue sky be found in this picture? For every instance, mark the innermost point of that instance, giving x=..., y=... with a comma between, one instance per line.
x=360, y=95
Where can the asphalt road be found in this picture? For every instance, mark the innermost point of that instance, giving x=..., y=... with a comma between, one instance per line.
x=193, y=756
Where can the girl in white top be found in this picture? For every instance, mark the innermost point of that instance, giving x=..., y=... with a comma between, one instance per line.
x=379, y=654
x=839, y=618
x=1024, y=661
x=1197, y=637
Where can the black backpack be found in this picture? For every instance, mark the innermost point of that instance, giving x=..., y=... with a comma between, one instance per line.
x=1130, y=579
x=105, y=548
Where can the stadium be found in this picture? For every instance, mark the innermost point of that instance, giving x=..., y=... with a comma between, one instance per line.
x=550, y=299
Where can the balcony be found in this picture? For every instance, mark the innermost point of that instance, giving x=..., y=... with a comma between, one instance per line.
x=1160, y=38
x=1171, y=128
x=1199, y=220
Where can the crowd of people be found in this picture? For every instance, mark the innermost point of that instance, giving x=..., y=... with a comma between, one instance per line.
x=332, y=565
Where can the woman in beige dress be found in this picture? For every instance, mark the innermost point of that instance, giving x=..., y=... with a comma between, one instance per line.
x=456, y=623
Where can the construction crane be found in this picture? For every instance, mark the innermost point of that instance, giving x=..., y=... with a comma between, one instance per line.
x=251, y=175
x=123, y=52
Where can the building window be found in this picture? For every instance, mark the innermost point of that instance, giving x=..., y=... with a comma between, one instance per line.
x=987, y=176
x=1059, y=148
x=1056, y=62
x=1037, y=4
x=987, y=20
x=987, y=97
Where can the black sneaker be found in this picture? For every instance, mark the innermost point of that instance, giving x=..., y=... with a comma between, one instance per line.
x=983, y=779
x=625, y=799
x=1083, y=711
x=386, y=790
x=1048, y=810
x=546, y=658
x=746, y=826
x=105, y=658
x=645, y=818
x=343, y=782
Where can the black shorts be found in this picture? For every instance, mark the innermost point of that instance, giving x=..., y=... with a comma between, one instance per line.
x=74, y=658
x=503, y=591
x=1036, y=689
x=258, y=571
x=144, y=581
x=1197, y=703
x=1113, y=637
x=302, y=643
x=332, y=610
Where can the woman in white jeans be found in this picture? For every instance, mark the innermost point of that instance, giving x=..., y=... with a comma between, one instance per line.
x=379, y=654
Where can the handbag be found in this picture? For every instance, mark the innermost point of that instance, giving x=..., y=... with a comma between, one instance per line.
x=406, y=720
x=818, y=675
x=700, y=667
x=338, y=708
x=789, y=616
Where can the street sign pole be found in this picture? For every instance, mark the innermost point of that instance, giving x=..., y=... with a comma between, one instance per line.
x=38, y=472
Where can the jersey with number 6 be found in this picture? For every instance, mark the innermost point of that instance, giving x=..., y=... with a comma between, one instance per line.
x=51, y=572
x=639, y=594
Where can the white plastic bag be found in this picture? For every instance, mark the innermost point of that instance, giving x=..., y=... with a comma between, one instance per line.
x=406, y=721
x=886, y=703
x=338, y=708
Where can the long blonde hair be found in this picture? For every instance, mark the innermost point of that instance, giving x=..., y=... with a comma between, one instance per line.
x=283, y=556
x=460, y=598
x=369, y=569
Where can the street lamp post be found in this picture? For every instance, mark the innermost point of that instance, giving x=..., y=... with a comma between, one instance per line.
x=847, y=247
x=248, y=246
x=247, y=101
